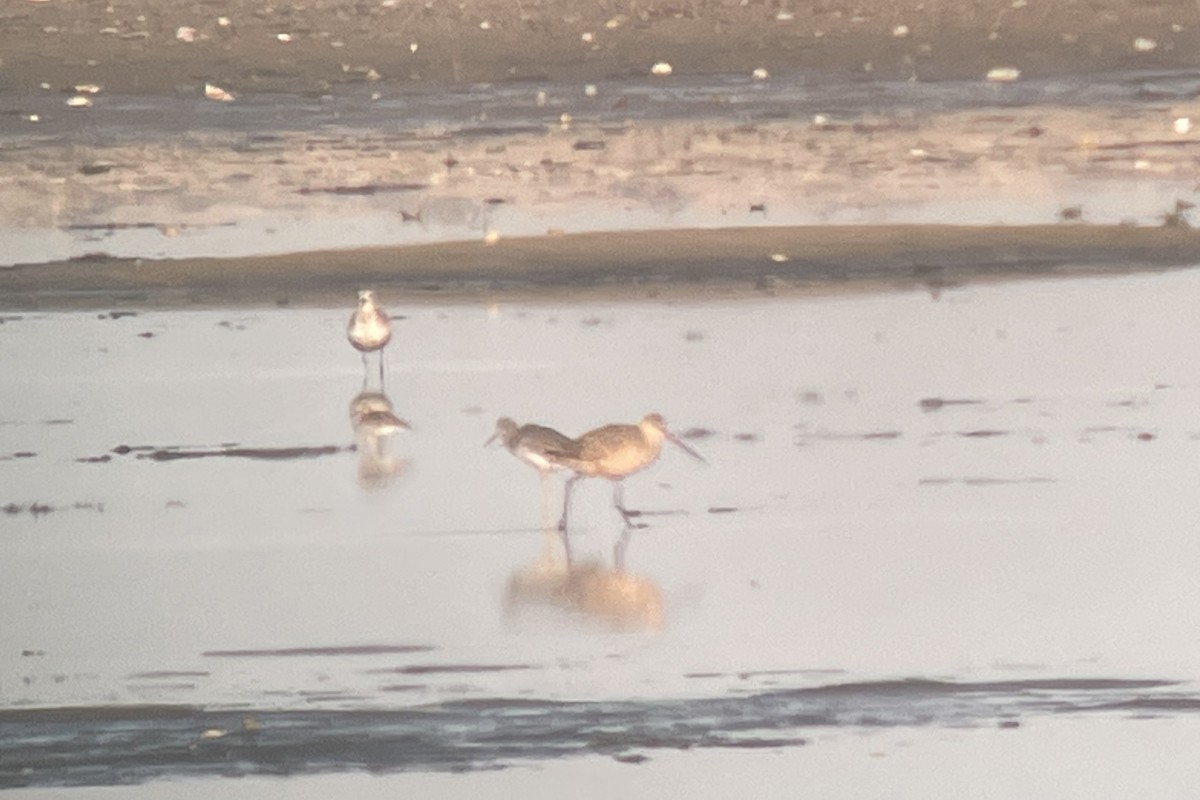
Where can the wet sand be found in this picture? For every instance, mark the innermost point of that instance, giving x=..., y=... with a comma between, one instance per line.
x=128, y=47
x=1104, y=759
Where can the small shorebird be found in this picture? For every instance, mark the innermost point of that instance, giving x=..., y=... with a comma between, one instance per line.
x=533, y=444
x=370, y=329
x=615, y=452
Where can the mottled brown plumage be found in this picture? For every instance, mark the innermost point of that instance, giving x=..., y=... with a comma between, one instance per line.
x=370, y=329
x=534, y=444
x=615, y=452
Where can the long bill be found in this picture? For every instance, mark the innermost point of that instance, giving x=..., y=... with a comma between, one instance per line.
x=680, y=444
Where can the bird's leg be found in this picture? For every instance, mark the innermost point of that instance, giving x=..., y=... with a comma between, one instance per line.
x=619, y=549
x=566, y=543
x=381, y=369
x=562, y=522
x=548, y=551
x=619, y=502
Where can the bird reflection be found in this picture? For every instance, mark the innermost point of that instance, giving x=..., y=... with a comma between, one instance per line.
x=614, y=452
x=374, y=424
x=533, y=444
x=370, y=329
x=612, y=597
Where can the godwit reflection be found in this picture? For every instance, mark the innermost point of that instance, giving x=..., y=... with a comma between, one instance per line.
x=615, y=452
x=370, y=329
x=374, y=424
x=611, y=596
x=533, y=444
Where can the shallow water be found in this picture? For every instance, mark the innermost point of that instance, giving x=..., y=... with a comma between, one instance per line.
x=486, y=110
x=988, y=493
x=115, y=189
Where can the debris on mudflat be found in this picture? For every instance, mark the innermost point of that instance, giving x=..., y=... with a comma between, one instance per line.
x=1003, y=74
x=1178, y=218
x=937, y=403
x=214, y=92
x=35, y=508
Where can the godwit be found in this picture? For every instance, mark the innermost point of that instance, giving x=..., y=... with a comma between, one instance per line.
x=533, y=444
x=370, y=329
x=615, y=452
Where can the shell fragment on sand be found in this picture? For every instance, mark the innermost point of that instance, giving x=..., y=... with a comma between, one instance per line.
x=1003, y=74
x=214, y=92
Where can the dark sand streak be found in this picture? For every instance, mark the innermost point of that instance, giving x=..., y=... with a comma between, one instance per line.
x=125, y=745
x=259, y=453
x=333, y=650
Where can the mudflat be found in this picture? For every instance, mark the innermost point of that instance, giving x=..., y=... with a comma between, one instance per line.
x=129, y=46
x=483, y=138
x=928, y=533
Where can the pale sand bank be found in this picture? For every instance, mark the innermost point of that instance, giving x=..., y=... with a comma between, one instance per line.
x=632, y=264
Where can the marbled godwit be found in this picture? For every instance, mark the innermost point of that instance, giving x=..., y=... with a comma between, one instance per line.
x=533, y=444
x=370, y=329
x=615, y=452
